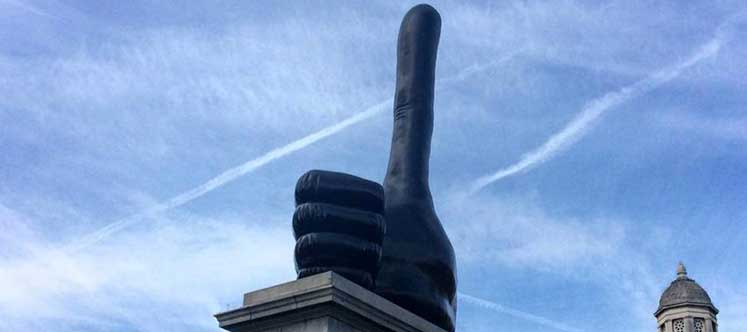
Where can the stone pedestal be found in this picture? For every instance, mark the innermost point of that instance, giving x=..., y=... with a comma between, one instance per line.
x=324, y=302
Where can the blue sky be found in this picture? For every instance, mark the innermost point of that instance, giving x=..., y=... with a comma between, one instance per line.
x=617, y=129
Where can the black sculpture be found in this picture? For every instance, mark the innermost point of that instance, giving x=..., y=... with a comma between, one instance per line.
x=388, y=238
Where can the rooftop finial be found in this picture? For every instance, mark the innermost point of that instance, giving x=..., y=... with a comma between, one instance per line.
x=681, y=271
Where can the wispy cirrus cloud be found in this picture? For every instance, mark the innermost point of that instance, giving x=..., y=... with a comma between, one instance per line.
x=516, y=313
x=110, y=118
x=27, y=7
x=516, y=234
x=723, y=128
x=594, y=109
x=179, y=271
x=250, y=166
x=519, y=234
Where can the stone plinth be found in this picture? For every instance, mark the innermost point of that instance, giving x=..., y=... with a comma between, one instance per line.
x=324, y=302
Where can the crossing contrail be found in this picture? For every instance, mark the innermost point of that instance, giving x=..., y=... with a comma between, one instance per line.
x=591, y=112
x=254, y=164
x=516, y=313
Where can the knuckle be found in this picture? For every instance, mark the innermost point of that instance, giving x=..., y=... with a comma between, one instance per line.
x=320, y=249
x=309, y=212
x=401, y=111
x=306, y=183
x=307, y=218
x=333, y=219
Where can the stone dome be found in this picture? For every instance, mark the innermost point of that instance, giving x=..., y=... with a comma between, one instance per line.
x=684, y=291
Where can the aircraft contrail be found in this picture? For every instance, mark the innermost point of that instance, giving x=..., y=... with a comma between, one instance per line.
x=254, y=164
x=555, y=144
x=29, y=8
x=516, y=313
x=591, y=112
x=225, y=177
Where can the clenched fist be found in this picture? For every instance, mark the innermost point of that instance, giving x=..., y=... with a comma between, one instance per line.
x=388, y=238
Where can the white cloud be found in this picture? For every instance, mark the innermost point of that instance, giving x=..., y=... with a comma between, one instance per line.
x=177, y=272
x=521, y=235
x=593, y=110
x=24, y=6
x=516, y=234
x=733, y=306
x=501, y=309
x=164, y=94
x=144, y=103
x=730, y=128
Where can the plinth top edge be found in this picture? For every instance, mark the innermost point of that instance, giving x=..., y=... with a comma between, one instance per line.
x=326, y=288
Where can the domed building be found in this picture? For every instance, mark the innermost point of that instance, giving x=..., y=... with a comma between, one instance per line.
x=686, y=307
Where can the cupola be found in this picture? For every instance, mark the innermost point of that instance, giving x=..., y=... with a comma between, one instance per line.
x=685, y=306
